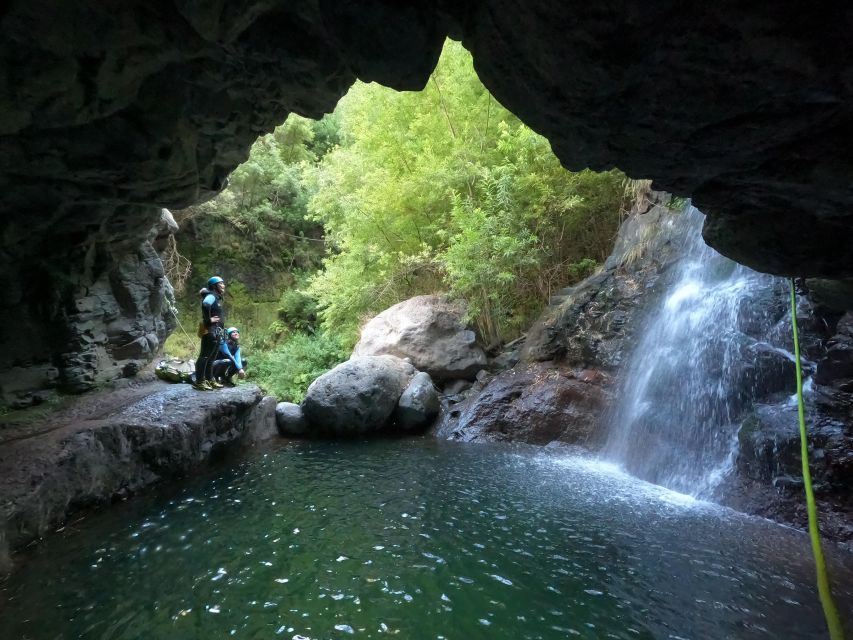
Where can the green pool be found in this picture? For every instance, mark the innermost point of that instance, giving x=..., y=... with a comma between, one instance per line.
x=420, y=539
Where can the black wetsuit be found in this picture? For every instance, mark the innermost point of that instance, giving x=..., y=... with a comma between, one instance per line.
x=230, y=360
x=211, y=306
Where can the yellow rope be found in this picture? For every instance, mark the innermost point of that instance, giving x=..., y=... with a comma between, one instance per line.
x=175, y=313
x=830, y=612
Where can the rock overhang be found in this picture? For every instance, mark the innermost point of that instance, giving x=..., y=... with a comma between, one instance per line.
x=746, y=109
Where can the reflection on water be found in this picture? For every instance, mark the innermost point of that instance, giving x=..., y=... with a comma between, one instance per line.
x=420, y=539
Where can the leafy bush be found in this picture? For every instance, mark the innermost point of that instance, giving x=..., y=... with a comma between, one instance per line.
x=297, y=311
x=286, y=371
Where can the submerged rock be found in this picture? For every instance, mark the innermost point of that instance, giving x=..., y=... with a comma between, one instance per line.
x=430, y=332
x=418, y=406
x=357, y=396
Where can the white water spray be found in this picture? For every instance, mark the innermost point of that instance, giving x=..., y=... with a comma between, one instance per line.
x=693, y=371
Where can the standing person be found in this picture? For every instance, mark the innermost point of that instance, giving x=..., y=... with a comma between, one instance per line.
x=210, y=331
x=230, y=359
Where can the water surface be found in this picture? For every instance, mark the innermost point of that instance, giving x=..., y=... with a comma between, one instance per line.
x=420, y=539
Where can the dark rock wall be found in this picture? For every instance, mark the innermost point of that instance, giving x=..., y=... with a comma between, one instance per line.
x=746, y=107
x=768, y=479
x=73, y=325
x=593, y=324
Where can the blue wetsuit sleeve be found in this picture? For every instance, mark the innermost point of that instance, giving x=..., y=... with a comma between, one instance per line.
x=206, y=306
x=234, y=357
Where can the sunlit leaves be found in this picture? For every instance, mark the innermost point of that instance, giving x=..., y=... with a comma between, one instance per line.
x=444, y=189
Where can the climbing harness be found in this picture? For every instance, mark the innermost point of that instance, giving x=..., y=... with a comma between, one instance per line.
x=830, y=612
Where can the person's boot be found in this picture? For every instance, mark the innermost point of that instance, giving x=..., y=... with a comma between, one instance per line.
x=229, y=381
x=216, y=385
x=202, y=386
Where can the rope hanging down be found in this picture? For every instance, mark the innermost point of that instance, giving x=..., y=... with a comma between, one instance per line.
x=830, y=612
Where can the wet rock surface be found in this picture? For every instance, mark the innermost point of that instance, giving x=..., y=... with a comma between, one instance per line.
x=429, y=331
x=768, y=479
x=835, y=368
x=538, y=404
x=108, y=445
x=593, y=323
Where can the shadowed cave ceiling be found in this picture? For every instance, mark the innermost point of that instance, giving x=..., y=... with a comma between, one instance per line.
x=111, y=109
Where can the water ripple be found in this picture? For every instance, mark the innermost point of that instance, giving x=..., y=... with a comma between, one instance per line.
x=421, y=540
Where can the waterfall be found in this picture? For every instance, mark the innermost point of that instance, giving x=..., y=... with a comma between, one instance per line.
x=693, y=372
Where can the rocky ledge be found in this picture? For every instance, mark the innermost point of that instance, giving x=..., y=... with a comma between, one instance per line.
x=108, y=445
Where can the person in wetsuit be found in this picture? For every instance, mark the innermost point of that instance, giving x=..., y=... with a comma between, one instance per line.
x=230, y=359
x=210, y=330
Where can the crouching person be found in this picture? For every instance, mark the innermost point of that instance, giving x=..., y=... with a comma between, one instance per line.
x=230, y=359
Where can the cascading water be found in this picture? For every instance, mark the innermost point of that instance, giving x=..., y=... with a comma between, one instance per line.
x=695, y=368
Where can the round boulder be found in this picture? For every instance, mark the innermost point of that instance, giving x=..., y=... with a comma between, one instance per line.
x=289, y=419
x=357, y=396
x=418, y=406
x=431, y=332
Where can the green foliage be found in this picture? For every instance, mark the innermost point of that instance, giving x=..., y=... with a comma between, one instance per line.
x=298, y=311
x=256, y=230
x=445, y=190
x=393, y=195
x=286, y=371
x=255, y=234
x=678, y=204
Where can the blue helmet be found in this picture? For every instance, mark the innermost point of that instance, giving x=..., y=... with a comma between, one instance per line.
x=231, y=330
x=214, y=280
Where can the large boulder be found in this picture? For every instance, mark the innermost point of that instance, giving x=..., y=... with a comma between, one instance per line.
x=290, y=419
x=357, y=396
x=538, y=404
x=418, y=406
x=431, y=332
